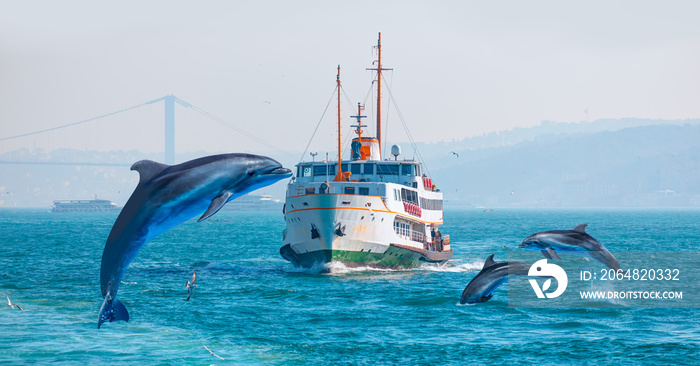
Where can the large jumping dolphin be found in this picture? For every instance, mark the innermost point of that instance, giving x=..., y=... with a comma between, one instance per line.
x=169, y=195
x=492, y=275
x=576, y=241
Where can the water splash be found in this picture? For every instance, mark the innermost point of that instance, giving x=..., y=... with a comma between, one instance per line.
x=455, y=266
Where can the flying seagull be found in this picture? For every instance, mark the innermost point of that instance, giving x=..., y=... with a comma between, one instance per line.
x=454, y=153
x=190, y=285
x=10, y=304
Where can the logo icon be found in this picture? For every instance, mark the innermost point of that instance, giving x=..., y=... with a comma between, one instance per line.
x=550, y=270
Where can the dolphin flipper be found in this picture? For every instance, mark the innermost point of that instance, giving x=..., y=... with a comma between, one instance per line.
x=112, y=310
x=551, y=253
x=216, y=205
x=606, y=258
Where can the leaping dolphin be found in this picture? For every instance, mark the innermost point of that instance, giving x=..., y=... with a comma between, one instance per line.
x=169, y=195
x=492, y=275
x=576, y=241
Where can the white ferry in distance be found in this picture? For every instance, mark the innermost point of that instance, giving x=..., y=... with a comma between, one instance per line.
x=250, y=202
x=367, y=211
x=96, y=205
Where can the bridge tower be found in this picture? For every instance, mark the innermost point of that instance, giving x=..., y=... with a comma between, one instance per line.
x=169, y=129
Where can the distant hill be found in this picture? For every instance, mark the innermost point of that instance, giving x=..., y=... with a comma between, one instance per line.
x=498, y=139
x=644, y=166
x=606, y=163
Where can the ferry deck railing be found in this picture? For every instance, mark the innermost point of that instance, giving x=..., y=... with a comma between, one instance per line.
x=410, y=234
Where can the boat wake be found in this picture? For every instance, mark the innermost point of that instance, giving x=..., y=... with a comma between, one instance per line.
x=339, y=268
x=454, y=267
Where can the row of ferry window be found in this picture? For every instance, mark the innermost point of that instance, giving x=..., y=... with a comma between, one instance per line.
x=399, y=195
x=412, y=196
x=360, y=168
x=362, y=191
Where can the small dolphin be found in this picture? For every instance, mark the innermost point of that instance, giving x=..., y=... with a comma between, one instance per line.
x=169, y=195
x=190, y=285
x=576, y=241
x=10, y=304
x=492, y=275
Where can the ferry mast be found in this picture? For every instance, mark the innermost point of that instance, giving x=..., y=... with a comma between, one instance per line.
x=379, y=70
x=339, y=176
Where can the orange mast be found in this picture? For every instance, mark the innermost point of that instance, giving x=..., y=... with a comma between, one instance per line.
x=339, y=175
x=379, y=91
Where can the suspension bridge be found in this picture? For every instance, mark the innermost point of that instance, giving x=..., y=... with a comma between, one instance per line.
x=73, y=135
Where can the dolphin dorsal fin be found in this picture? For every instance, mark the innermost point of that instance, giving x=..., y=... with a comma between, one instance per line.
x=489, y=262
x=581, y=228
x=148, y=169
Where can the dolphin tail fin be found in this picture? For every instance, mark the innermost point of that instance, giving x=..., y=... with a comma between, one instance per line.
x=112, y=310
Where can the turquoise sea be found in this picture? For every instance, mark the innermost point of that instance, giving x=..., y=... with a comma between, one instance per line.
x=253, y=307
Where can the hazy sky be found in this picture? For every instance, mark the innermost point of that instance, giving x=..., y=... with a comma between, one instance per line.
x=461, y=68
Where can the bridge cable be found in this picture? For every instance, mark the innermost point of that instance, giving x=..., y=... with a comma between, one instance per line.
x=233, y=127
x=80, y=122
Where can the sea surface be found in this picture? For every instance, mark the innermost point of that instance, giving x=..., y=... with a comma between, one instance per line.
x=253, y=307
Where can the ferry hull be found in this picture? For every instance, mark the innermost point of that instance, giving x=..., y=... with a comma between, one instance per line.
x=395, y=257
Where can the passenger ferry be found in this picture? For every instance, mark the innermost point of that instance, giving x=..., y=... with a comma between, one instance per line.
x=365, y=211
x=96, y=205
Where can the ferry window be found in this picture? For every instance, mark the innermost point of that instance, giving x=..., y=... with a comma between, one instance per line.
x=310, y=190
x=364, y=191
x=387, y=169
x=406, y=169
x=418, y=170
x=304, y=171
x=349, y=190
x=344, y=167
x=355, y=168
x=409, y=195
x=324, y=169
x=369, y=169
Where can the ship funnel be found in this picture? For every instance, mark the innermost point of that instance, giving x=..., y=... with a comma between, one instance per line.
x=396, y=151
x=365, y=148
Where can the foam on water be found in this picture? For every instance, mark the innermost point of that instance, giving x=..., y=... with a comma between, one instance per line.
x=455, y=266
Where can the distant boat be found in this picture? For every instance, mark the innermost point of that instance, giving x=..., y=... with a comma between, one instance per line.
x=250, y=202
x=96, y=205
